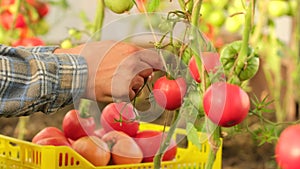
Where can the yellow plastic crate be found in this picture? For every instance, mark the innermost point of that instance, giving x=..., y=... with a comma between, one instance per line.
x=19, y=154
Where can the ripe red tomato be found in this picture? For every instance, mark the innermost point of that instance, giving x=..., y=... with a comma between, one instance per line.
x=121, y=117
x=54, y=141
x=226, y=104
x=41, y=7
x=150, y=141
x=193, y=69
x=30, y=41
x=211, y=62
x=75, y=126
x=48, y=132
x=287, y=150
x=7, y=20
x=169, y=93
x=124, y=150
x=93, y=149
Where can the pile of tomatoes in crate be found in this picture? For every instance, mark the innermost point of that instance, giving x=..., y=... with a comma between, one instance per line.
x=118, y=140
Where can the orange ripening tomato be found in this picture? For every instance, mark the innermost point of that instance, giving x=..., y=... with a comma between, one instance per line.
x=93, y=149
x=124, y=150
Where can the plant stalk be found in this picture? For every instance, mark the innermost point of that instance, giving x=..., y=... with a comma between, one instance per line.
x=214, y=142
x=166, y=142
x=99, y=19
x=213, y=130
x=242, y=57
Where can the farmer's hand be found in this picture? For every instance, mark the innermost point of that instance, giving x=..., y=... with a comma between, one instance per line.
x=117, y=70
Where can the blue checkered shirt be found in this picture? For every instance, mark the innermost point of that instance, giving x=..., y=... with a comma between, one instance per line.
x=36, y=80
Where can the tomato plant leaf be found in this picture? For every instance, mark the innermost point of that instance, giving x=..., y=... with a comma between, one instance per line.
x=192, y=135
x=153, y=4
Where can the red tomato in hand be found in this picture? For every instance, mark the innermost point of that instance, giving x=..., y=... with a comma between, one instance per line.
x=287, y=150
x=93, y=149
x=121, y=117
x=226, y=104
x=75, y=126
x=150, y=141
x=47, y=133
x=124, y=150
x=169, y=93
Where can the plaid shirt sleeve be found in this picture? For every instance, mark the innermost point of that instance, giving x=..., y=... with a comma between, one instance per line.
x=34, y=79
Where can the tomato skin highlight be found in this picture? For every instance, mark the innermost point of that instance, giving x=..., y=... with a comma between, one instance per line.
x=94, y=149
x=124, y=149
x=47, y=133
x=54, y=141
x=226, y=104
x=287, y=149
x=120, y=111
x=169, y=93
x=150, y=141
x=75, y=126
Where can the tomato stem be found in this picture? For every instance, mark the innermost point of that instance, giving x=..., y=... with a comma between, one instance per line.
x=242, y=57
x=163, y=147
x=214, y=142
x=98, y=23
x=84, y=107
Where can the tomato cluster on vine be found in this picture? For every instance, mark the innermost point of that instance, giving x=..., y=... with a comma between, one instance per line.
x=23, y=20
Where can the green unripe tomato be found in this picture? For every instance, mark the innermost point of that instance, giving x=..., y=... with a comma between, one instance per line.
x=119, y=6
x=219, y=4
x=233, y=24
x=277, y=8
x=228, y=57
x=206, y=9
x=66, y=44
x=293, y=7
x=216, y=18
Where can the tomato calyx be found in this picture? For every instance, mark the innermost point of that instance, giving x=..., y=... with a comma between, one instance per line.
x=120, y=116
x=121, y=119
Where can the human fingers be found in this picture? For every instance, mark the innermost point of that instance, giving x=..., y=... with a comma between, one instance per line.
x=150, y=57
x=136, y=84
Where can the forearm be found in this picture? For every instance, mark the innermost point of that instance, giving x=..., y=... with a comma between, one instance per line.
x=36, y=79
